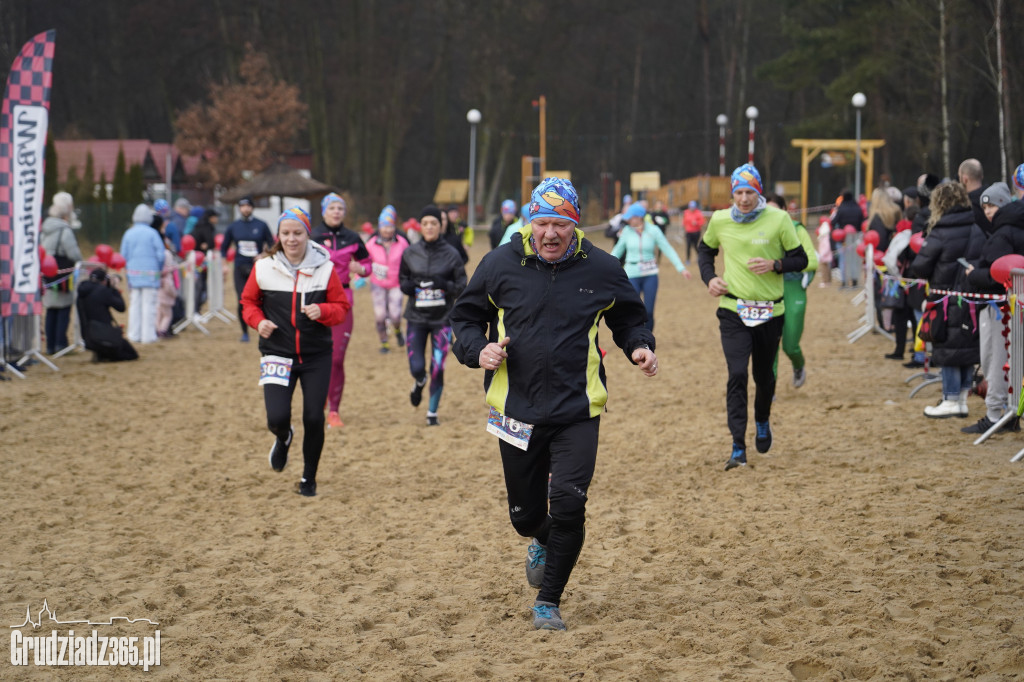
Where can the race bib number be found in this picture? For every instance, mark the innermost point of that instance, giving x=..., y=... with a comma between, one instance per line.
x=275, y=370
x=648, y=267
x=754, y=313
x=510, y=430
x=429, y=298
x=248, y=249
x=380, y=271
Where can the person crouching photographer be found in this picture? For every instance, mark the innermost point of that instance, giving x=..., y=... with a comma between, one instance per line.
x=96, y=297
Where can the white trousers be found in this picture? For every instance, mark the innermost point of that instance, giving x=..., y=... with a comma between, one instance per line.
x=142, y=316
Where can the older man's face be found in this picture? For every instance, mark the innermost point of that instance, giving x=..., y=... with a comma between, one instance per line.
x=552, y=236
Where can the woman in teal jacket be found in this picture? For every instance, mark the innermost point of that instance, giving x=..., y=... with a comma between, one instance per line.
x=636, y=243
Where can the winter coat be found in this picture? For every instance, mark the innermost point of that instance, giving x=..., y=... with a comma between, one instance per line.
x=143, y=251
x=344, y=246
x=954, y=236
x=432, y=276
x=387, y=260
x=1007, y=238
x=58, y=237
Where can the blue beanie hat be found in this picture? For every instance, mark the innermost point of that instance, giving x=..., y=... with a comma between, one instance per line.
x=1018, y=178
x=524, y=213
x=162, y=207
x=692, y=204
x=330, y=199
x=555, y=198
x=297, y=214
x=636, y=210
x=388, y=216
x=508, y=206
x=747, y=176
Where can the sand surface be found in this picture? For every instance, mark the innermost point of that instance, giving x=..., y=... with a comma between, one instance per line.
x=870, y=543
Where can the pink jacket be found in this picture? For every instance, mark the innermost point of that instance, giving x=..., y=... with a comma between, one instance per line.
x=386, y=260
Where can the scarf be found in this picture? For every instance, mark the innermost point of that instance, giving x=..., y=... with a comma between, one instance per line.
x=741, y=218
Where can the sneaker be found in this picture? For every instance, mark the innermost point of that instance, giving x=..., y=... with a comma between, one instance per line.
x=913, y=364
x=894, y=356
x=547, y=616
x=763, y=440
x=279, y=452
x=799, y=377
x=536, y=557
x=981, y=426
x=416, y=394
x=384, y=348
x=738, y=459
x=334, y=421
x=432, y=420
x=307, y=488
x=399, y=339
x=244, y=338
x=944, y=410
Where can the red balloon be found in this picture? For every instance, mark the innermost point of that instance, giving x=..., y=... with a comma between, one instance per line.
x=42, y=253
x=117, y=261
x=903, y=225
x=871, y=237
x=916, y=242
x=861, y=249
x=850, y=229
x=188, y=243
x=200, y=257
x=103, y=253
x=838, y=235
x=218, y=240
x=1000, y=269
x=231, y=254
x=823, y=220
x=367, y=227
x=49, y=267
x=864, y=226
x=879, y=255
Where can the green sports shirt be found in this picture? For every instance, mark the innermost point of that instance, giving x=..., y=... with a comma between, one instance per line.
x=770, y=236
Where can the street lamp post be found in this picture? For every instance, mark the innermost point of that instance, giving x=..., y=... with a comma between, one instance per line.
x=473, y=116
x=752, y=115
x=858, y=101
x=722, y=120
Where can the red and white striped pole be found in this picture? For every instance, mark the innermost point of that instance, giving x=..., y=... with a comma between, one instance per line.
x=752, y=115
x=722, y=120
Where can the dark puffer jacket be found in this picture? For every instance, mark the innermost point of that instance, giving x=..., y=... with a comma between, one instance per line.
x=954, y=236
x=1008, y=237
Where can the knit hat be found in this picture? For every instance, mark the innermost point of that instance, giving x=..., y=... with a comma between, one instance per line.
x=62, y=205
x=430, y=210
x=162, y=207
x=524, y=213
x=997, y=194
x=245, y=201
x=635, y=211
x=184, y=203
x=555, y=198
x=296, y=213
x=1018, y=178
x=627, y=199
x=931, y=181
x=692, y=204
x=388, y=216
x=746, y=176
x=142, y=214
x=330, y=199
x=508, y=206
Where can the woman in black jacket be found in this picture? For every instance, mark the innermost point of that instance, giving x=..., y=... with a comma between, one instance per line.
x=432, y=275
x=952, y=236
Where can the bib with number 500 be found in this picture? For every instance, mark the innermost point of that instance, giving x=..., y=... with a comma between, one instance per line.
x=753, y=313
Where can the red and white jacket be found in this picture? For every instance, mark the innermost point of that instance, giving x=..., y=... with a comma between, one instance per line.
x=277, y=293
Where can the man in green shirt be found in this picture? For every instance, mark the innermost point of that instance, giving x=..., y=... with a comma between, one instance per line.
x=760, y=244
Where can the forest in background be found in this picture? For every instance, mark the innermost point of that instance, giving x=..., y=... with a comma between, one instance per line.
x=629, y=86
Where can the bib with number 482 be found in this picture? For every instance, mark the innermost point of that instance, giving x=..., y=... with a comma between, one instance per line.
x=753, y=313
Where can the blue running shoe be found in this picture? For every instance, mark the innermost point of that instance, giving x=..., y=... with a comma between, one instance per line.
x=763, y=441
x=536, y=556
x=546, y=616
x=738, y=459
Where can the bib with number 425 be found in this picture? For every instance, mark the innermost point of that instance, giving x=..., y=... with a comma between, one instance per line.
x=509, y=430
x=753, y=313
x=429, y=298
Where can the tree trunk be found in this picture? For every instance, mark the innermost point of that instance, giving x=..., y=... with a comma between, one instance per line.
x=944, y=83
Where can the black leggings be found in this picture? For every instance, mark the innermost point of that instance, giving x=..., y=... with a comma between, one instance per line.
x=241, y=275
x=315, y=375
x=568, y=453
x=742, y=345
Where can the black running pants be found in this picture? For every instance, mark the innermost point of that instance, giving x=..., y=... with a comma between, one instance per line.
x=314, y=373
x=742, y=345
x=568, y=453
